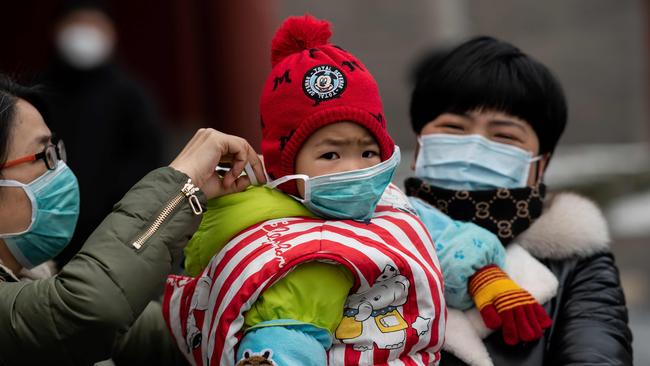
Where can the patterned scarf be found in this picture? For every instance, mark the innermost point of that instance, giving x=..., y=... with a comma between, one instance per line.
x=505, y=212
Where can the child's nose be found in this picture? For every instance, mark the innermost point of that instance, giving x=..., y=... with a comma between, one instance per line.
x=355, y=164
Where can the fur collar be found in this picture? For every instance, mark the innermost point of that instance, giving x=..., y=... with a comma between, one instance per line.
x=465, y=329
x=571, y=226
x=40, y=272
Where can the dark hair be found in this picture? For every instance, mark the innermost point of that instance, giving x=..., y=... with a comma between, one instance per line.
x=10, y=92
x=486, y=73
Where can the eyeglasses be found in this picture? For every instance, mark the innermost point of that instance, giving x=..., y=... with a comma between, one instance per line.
x=51, y=155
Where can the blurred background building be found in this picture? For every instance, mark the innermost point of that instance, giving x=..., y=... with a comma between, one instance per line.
x=204, y=62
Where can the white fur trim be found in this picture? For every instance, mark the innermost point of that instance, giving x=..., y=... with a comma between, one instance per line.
x=462, y=340
x=465, y=329
x=571, y=226
x=42, y=271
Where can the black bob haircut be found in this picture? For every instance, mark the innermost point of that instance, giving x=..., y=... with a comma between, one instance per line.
x=488, y=74
x=10, y=92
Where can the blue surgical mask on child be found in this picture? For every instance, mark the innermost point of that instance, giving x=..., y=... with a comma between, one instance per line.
x=473, y=163
x=347, y=195
x=54, y=198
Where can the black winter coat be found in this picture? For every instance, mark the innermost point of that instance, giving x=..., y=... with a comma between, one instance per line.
x=590, y=320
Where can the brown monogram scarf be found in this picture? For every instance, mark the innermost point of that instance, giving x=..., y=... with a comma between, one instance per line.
x=504, y=212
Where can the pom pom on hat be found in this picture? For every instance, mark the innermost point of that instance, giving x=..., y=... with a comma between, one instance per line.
x=297, y=34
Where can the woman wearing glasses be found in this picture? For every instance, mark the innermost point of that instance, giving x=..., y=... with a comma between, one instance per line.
x=90, y=310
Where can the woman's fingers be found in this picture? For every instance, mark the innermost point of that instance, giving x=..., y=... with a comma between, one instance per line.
x=216, y=187
x=257, y=166
x=205, y=150
x=236, y=152
x=239, y=156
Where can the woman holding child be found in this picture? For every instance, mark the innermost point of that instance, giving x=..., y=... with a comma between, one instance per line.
x=488, y=118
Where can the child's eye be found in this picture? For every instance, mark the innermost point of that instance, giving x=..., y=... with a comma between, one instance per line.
x=329, y=156
x=370, y=154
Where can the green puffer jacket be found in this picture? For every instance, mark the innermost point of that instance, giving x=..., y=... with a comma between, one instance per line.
x=87, y=312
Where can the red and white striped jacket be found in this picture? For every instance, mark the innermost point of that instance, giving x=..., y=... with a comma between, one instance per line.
x=393, y=253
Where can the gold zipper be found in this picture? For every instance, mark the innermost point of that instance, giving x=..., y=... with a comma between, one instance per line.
x=188, y=191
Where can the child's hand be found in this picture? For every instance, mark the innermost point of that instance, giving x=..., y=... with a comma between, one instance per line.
x=502, y=303
x=203, y=153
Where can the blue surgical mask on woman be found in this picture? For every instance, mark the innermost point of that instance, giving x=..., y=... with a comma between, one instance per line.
x=54, y=197
x=347, y=195
x=473, y=163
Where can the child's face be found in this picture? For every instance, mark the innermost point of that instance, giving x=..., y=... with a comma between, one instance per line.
x=335, y=148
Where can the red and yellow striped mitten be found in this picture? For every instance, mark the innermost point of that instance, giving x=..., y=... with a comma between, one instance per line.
x=502, y=303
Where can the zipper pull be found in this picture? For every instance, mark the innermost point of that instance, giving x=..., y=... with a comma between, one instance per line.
x=189, y=191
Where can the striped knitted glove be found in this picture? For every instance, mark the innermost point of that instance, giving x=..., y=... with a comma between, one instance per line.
x=502, y=303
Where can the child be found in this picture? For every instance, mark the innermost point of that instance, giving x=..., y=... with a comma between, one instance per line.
x=285, y=281
x=322, y=118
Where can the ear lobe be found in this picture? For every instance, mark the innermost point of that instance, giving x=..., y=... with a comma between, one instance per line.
x=540, y=169
x=542, y=165
x=545, y=159
x=415, y=153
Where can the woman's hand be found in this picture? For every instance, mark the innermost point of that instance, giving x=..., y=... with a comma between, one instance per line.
x=206, y=150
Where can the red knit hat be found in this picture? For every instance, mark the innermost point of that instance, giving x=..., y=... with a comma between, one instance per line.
x=314, y=83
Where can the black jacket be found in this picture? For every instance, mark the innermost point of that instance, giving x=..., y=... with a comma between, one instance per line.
x=590, y=321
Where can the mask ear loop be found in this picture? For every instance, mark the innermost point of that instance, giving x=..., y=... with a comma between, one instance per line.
x=251, y=174
x=419, y=155
x=274, y=184
x=536, y=160
x=32, y=202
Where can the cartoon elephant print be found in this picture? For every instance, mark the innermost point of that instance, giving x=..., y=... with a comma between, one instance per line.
x=373, y=317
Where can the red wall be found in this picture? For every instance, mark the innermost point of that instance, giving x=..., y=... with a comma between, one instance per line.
x=205, y=61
